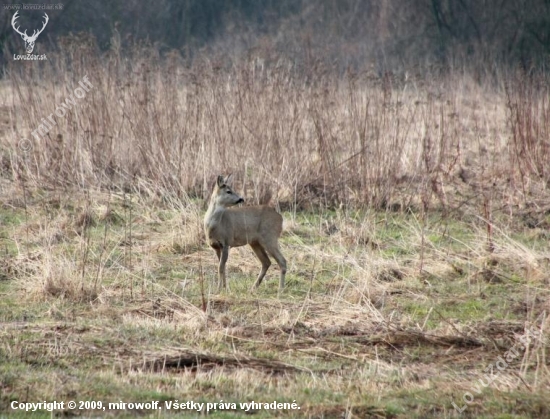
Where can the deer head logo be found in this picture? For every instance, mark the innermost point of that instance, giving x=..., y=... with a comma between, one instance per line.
x=29, y=40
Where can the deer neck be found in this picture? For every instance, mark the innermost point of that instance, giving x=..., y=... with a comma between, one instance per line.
x=213, y=213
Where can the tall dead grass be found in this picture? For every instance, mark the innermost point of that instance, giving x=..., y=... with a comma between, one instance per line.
x=301, y=136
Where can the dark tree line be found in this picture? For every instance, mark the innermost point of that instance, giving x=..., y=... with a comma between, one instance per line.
x=391, y=33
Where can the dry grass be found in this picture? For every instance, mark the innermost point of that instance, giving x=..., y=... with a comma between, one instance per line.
x=416, y=217
x=308, y=137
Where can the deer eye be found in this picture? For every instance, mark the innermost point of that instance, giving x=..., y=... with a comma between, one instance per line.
x=228, y=191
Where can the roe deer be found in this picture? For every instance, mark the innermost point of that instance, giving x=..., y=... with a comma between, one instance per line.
x=258, y=226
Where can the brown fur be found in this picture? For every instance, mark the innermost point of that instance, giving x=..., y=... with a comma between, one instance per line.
x=257, y=226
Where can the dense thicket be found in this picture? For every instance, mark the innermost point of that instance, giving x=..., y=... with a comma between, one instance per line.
x=389, y=34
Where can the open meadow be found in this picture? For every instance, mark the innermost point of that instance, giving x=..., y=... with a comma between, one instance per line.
x=416, y=229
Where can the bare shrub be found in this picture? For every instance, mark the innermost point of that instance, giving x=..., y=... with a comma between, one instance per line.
x=528, y=105
x=305, y=137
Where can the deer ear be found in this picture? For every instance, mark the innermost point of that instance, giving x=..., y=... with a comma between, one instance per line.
x=220, y=181
x=228, y=178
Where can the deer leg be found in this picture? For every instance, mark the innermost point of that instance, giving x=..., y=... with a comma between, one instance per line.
x=264, y=259
x=281, y=261
x=221, y=269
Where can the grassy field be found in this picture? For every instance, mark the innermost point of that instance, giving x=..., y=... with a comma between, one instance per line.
x=108, y=297
x=416, y=231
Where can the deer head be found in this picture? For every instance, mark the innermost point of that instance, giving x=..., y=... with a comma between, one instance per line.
x=29, y=40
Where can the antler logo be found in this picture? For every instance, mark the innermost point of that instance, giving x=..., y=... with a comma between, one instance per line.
x=29, y=40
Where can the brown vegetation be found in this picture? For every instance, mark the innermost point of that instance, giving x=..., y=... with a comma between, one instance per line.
x=295, y=136
x=416, y=213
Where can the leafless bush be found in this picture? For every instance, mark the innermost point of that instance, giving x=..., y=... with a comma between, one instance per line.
x=294, y=135
x=528, y=105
